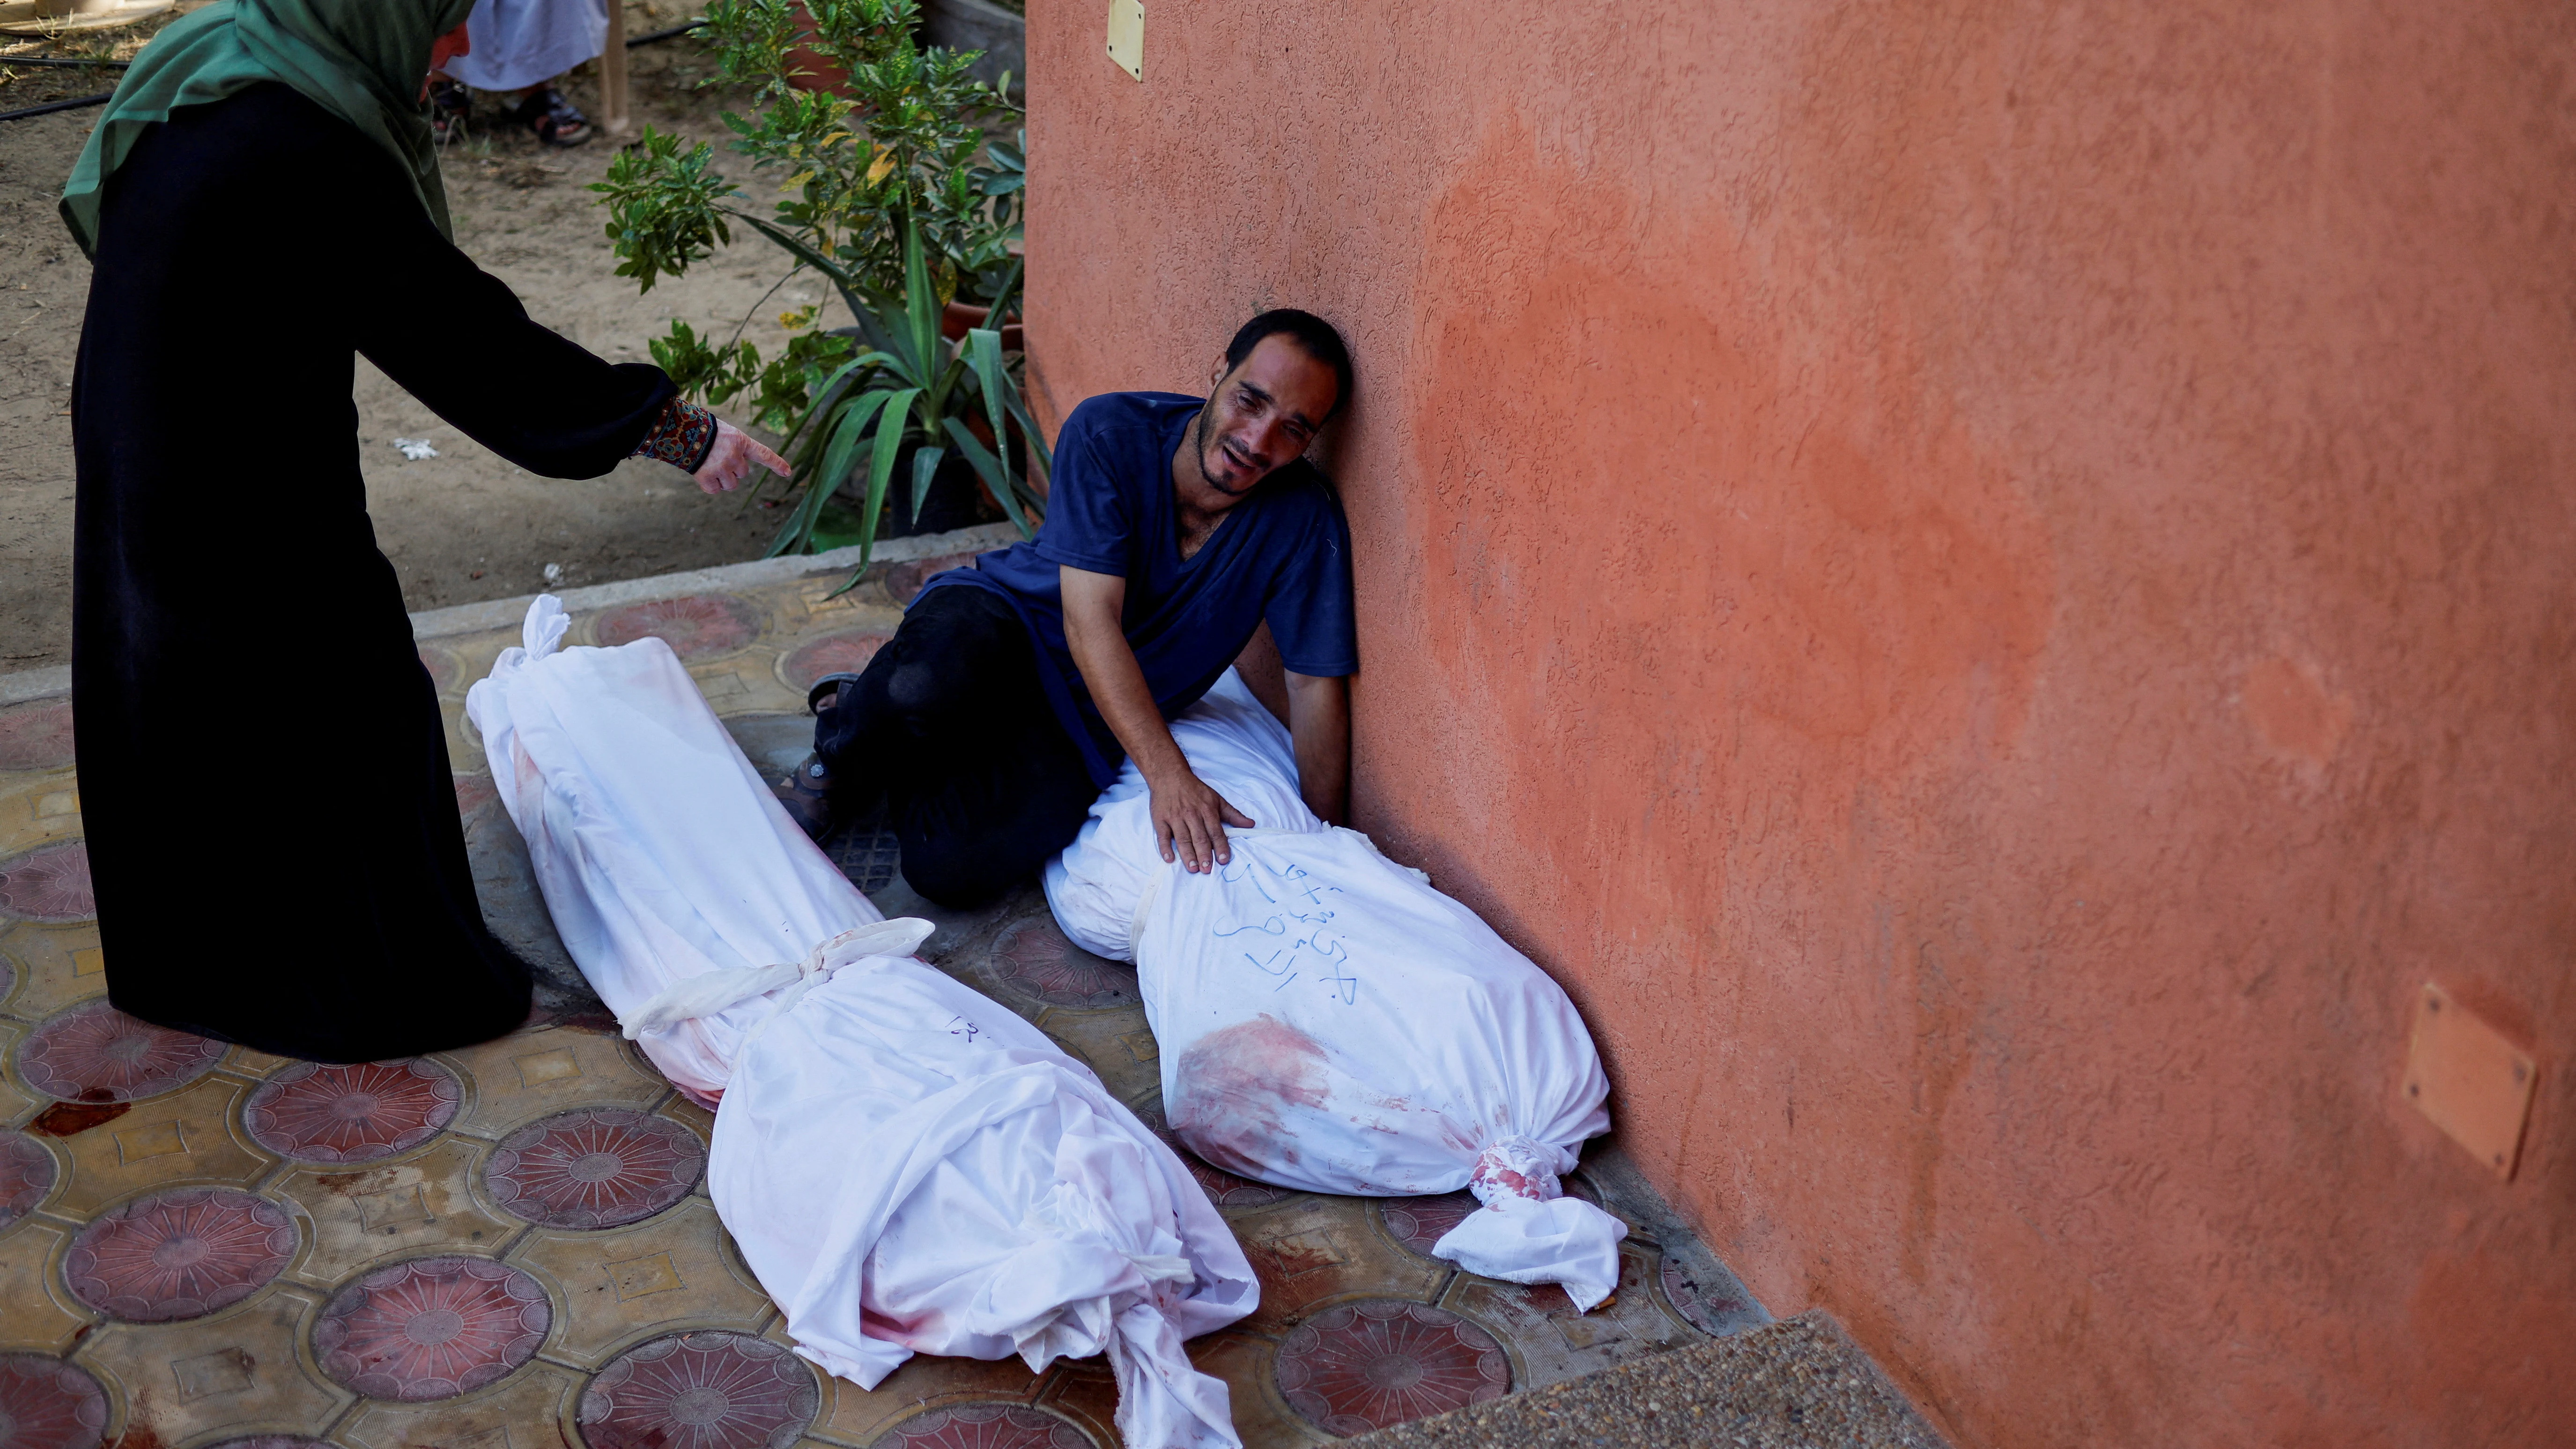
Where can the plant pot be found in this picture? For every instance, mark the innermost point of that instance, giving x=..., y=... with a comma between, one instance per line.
x=957, y=317
x=808, y=71
x=976, y=25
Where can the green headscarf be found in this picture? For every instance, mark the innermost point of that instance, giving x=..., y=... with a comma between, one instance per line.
x=361, y=60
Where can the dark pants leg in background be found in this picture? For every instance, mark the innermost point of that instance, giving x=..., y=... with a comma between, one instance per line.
x=949, y=720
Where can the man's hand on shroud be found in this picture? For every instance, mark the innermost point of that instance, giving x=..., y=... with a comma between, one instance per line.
x=1190, y=818
x=732, y=459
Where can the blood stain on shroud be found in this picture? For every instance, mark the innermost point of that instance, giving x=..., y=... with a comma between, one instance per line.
x=1233, y=1085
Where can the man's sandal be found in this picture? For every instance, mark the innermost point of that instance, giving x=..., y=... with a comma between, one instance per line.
x=827, y=692
x=807, y=791
x=554, y=119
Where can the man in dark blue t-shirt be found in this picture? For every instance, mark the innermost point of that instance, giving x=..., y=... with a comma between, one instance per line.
x=1014, y=689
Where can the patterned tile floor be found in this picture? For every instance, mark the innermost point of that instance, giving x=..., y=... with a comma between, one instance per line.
x=511, y=1247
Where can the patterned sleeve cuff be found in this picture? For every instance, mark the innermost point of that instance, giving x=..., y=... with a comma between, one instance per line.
x=682, y=436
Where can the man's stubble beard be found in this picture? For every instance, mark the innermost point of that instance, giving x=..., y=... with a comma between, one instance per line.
x=1199, y=452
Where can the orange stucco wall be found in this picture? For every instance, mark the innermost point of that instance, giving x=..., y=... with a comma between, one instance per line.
x=1990, y=587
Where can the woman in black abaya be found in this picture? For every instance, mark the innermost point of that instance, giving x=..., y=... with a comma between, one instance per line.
x=271, y=822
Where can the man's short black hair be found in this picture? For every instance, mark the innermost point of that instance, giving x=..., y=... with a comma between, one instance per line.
x=1313, y=335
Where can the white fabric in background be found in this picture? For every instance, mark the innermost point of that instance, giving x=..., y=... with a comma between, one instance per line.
x=907, y=1166
x=1330, y=1022
x=520, y=43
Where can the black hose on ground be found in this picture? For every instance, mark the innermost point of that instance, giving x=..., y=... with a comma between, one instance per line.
x=50, y=106
x=635, y=41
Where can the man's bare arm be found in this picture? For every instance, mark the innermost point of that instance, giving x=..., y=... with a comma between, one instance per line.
x=1319, y=721
x=1189, y=817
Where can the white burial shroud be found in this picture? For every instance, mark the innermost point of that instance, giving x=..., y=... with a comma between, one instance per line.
x=1330, y=1022
x=906, y=1165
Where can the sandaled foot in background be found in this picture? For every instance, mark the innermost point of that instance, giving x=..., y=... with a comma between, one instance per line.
x=554, y=120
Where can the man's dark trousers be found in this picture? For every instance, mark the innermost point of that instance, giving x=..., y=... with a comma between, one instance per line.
x=981, y=782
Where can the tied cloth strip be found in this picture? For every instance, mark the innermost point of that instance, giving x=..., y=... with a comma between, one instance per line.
x=1069, y=1224
x=1515, y=1167
x=1528, y=1231
x=718, y=991
x=1067, y=1212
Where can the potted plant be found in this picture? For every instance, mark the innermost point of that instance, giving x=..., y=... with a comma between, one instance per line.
x=908, y=406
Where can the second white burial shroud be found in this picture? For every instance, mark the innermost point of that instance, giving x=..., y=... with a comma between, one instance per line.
x=1330, y=1022
x=907, y=1166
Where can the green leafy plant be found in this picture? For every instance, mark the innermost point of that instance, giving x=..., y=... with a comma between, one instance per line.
x=779, y=388
x=906, y=141
x=912, y=393
x=665, y=208
x=890, y=190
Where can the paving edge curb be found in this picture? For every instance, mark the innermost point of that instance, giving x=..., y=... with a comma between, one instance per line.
x=32, y=684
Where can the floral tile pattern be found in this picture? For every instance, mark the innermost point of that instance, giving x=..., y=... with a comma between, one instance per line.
x=512, y=1244
x=27, y=1173
x=317, y=1113
x=50, y=884
x=697, y=626
x=700, y=1391
x=474, y=791
x=594, y=1168
x=1419, y=1222
x=902, y=583
x=49, y=1404
x=432, y=1328
x=986, y=1426
x=96, y=1053
x=1381, y=1361
x=179, y=1254
x=1034, y=960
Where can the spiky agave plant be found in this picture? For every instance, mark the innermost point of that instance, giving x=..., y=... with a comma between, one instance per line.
x=909, y=386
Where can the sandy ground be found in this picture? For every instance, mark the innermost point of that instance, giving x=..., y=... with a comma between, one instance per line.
x=465, y=525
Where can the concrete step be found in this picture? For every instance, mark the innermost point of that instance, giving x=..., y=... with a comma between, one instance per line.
x=1800, y=1383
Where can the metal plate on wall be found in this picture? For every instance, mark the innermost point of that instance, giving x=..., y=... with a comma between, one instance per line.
x=2473, y=1083
x=1127, y=36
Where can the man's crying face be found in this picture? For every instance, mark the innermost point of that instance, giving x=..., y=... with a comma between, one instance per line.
x=1262, y=415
